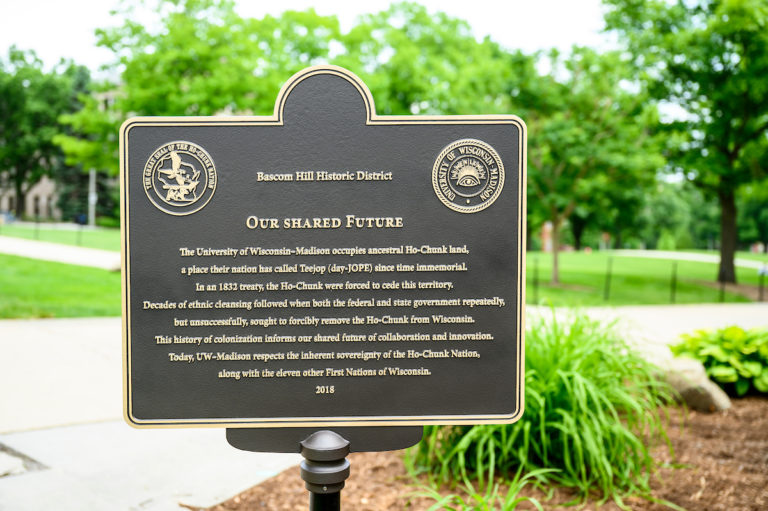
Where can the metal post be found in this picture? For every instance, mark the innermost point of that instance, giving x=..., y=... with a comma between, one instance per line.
x=324, y=502
x=324, y=469
x=673, y=283
x=607, y=289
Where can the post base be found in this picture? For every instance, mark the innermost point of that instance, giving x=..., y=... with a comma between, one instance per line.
x=324, y=469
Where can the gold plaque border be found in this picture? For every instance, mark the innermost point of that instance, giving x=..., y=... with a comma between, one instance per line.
x=277, y=120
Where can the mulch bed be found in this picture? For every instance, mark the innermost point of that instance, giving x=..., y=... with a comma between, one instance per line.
x=721, y=463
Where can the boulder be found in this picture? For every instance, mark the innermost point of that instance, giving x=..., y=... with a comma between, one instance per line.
x=689, y=378
x=10, y=465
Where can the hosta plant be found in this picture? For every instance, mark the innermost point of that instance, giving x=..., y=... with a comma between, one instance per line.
x=735, y=358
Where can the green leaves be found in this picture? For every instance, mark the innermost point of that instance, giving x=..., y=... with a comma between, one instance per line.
x=592, y=144
x=735, y=358
x=592, y=405
x=31, y=100
x=203, y=58
x=761, y=382
x=710, y=58
x=493, y=499
x=419, y=63
x=717, y=352
x=722, y=373
x=753, y=211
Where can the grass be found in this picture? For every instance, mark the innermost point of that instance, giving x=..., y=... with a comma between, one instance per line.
x=634, y=280
x=105, y=239
x=30, y=288
x=592, y=414
x=494, y=498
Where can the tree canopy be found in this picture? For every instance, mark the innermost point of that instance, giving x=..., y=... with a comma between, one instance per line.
x=596, y=138
x=710, y=58
x=205, y=59
x=418, y=63
x=589, y=137
x=31, y=101
x=589, y=133
x=753, y=213
x=202, y=59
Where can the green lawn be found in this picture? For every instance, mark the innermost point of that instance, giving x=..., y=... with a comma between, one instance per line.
x=105, y=239
x=30, y=288
x=634, y=280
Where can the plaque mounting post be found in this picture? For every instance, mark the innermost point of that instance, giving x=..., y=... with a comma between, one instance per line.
x=324, y=469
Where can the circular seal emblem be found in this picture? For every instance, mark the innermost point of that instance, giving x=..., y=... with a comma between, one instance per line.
x=179, y=178
x=468, y=175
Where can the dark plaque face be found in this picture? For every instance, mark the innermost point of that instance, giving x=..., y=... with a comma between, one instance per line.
x=323, y=267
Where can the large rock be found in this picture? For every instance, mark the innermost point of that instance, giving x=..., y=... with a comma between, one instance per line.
x=10, y=465
x=689, y=378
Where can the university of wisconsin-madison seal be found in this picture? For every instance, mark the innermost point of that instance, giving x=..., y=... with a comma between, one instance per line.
x=468, y=175
x=179, y=178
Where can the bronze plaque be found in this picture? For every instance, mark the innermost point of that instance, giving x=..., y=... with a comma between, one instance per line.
x=325, y=266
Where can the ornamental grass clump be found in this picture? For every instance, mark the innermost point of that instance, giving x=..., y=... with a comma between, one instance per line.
x=593, y=409
x=494, y=498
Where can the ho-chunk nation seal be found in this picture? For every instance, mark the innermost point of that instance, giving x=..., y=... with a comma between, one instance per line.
x=468, y=175
x=179, y=178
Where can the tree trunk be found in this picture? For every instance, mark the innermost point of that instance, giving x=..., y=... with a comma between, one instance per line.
x=21, y=197
x=578, y=225
x=555, y=252
x=728, y=237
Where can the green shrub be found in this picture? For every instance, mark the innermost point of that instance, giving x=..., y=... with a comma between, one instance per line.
x=684, y=240
x=107, y=221
x=734, y=358
x=666, y=240
x=591, y=408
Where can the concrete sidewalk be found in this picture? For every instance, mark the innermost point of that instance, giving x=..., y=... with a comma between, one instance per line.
x=111, y=466
x=57, y=372
x=651, y=328
x=689, y=256
x=56, y=252
x=61, y=408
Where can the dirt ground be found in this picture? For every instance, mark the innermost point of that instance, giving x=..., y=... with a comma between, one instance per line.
x=748, y=290
x=720, y=463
